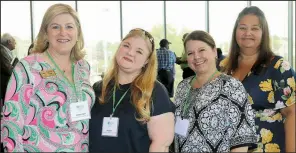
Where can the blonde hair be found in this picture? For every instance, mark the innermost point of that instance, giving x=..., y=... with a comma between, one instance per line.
x=41, y=42
x=141, y=87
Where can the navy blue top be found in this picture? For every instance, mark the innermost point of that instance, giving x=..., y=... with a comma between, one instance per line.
x=132, y=134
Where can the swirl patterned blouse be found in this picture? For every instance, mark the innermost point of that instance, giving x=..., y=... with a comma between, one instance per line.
x=36, y=112
x=220, y=116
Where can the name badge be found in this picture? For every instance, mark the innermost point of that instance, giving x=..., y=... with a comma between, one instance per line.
x=48, y=73
x=110, y=126
x=181, y=126
x=79, y=111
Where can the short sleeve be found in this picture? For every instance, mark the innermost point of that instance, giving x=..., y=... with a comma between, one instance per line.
x=174, y=57
x=242, y=130
x=84, y=65
x=283, y=83
x=161, y=101
x=245, y=134
x=16, y=107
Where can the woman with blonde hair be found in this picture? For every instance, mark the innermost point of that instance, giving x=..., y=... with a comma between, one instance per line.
x=133, y=112
x=49, y=97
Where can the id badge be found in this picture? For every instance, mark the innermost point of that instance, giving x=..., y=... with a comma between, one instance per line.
x=181, y=126
x=79, y=111
x=110, y=126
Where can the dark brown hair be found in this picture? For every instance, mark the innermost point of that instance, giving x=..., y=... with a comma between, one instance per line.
x=201, y=36
x=265, y=52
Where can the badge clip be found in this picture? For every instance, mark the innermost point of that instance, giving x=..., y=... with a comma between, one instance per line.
x=48, y=73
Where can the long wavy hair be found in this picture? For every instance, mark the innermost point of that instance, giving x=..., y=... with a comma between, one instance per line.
x=265, y=52
x=141, y=87
x=41, y=42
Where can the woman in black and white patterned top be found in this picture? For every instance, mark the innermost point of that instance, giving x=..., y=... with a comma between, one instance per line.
x=213, y=111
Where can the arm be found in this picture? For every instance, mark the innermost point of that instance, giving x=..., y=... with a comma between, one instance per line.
x=244, y=134
x=179, y=61
x=285, y=93
x=161, y=132
x=182, y=59
x=289, y=113
x=12, y=122
x=6, y=67
x=240, y=149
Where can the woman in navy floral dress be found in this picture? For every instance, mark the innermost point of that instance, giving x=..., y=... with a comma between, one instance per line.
x=268, y=79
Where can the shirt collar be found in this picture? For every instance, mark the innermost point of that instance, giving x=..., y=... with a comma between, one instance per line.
x=7, y=50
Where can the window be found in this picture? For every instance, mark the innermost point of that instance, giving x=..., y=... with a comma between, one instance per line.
x=39, y=9
x=147, y=15
x=182, y=17
x=278, y=24
x=222, y=16
x=101, y=30
x=15, y=20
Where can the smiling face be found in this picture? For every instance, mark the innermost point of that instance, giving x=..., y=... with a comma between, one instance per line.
x=249, y=32
x=62, y=34
x=200, y=56
x=132, y=54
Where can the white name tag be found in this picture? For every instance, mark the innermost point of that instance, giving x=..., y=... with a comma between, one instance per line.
x=79, y=111
x=110, y=126
x=181, y=126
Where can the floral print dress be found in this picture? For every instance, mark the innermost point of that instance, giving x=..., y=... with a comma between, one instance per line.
x=36, y=116
x=269, y=91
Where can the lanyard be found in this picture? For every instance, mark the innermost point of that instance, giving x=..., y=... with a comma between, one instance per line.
x=57, y=67
x=114, y=108
x=186, y=104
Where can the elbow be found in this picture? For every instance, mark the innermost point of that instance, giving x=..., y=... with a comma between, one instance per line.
x=159, y=146
x=162, y=145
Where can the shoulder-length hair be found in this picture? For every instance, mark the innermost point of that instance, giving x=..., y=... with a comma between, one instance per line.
x=265, y=52
x=201, y=36
x=41, y=42
x=143, y=84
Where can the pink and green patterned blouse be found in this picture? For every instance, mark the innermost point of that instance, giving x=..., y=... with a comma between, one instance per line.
x=36, y=114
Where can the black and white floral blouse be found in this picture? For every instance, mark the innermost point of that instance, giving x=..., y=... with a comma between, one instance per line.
x=220, y=116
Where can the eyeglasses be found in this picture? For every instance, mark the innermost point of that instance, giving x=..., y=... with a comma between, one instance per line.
x=150, y=37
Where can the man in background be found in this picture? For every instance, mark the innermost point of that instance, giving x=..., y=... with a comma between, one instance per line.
x=7, y=62
x=166, y=66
